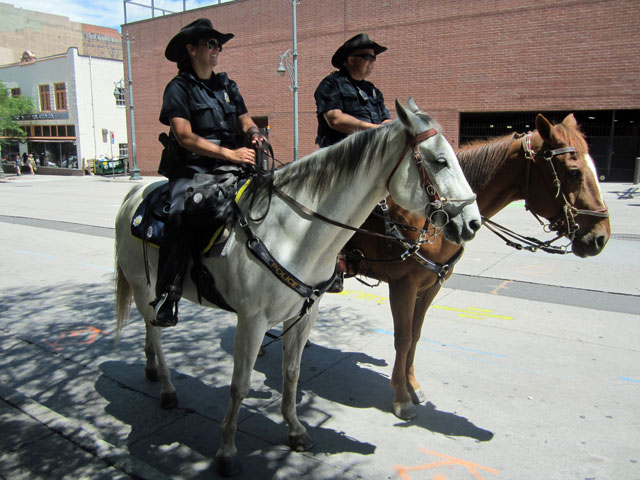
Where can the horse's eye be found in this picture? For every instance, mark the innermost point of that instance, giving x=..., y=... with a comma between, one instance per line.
x=440, y=161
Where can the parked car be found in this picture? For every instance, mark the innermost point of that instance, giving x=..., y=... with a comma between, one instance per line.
x=110, y=166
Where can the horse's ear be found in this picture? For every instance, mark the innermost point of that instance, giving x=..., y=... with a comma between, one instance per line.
x=407, y=117
x=411, y=105
x=544, y=127
x=570, y=121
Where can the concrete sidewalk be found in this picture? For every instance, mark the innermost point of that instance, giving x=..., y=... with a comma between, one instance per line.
x=517, y=386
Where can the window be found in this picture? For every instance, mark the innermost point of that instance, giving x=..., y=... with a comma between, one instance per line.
x=123, y=150
x=121, y=101
x=61, y=96
x=37, y=131
x=15, y=92
x=45, y=98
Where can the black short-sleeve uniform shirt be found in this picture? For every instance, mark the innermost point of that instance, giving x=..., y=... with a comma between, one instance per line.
x=358, y=98
x=212, y=106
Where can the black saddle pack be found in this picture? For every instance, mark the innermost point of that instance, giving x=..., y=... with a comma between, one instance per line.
x=200, y=216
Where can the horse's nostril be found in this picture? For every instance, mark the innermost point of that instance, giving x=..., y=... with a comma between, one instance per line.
x=475, y=225
x=600, y=242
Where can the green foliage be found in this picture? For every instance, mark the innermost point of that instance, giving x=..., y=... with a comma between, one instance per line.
x=9, y=108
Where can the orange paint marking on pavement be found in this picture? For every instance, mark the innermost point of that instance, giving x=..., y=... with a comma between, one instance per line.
x=503, y=285
x=473, y=468
x=83, y=336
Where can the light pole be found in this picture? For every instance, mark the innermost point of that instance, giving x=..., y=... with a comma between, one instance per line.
x=135, y=171
x=289, y=64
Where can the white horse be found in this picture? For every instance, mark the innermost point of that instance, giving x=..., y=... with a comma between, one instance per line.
x=343, y=182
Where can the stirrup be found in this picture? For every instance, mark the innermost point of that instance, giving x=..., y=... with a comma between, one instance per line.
x=165, y=311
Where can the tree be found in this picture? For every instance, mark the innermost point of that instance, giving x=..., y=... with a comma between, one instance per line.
x=10, y=107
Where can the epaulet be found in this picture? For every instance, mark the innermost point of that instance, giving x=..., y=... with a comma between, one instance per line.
x=223, y=78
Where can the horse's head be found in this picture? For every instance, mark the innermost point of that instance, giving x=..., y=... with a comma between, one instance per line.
x=563, y=187
x=428, y=178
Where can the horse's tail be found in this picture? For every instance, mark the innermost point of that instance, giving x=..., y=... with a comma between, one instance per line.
x=124, y=294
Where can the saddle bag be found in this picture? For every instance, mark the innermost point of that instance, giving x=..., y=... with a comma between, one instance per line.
x=208, y=202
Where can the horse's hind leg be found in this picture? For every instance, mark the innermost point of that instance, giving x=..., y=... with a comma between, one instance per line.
x=249, y=335
x=156, y=367
x=293, y=345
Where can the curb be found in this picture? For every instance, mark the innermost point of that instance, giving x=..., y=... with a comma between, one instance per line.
x=82, y=435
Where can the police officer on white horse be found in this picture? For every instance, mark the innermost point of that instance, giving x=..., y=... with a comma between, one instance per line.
x=346, y=102
x=209, y=124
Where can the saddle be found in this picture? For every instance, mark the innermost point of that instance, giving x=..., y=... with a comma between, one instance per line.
x=207, y=240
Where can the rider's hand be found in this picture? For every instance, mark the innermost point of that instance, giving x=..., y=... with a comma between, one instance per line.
x=242, y=155
x=258, y=140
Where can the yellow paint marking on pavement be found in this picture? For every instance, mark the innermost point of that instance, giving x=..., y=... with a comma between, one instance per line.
x=469, y=312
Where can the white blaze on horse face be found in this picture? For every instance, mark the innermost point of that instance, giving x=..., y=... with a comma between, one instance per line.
x=592, y=167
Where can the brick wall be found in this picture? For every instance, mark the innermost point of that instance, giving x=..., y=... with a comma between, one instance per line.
x=463, y=56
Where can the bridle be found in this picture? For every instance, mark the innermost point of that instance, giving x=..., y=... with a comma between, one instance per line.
x=565, y=224
x=435, y=213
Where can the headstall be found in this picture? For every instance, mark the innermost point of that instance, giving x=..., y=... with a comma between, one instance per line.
x=565, y=224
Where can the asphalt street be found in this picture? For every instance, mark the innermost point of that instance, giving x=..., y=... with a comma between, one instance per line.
x=530, y=362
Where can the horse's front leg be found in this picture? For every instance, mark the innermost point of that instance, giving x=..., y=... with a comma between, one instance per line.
x=292, y=346
x=402, y=297
x=156, y=367
x=249, y=335
x=423, y=302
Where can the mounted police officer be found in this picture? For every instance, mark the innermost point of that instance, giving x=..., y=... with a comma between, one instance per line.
x=209, y=122
x=346, y=102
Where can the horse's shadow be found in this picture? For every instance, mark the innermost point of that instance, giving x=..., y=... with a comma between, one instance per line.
x=175, y=440
x=354, y=385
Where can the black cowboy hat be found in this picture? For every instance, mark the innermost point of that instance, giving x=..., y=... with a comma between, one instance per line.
x=190, y=33
x=357, y=42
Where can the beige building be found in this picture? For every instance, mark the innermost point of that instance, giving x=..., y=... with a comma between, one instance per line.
x=44, y=35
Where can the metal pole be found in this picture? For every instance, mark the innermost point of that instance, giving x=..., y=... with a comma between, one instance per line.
x=610, y=145
x=135, y=171
x=295, y=83
x=636, y=172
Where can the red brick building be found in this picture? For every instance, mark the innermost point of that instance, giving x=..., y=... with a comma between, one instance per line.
x=481, y=68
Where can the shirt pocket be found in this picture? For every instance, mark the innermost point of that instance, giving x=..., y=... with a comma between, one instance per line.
x=203, y=115
x=352, y=104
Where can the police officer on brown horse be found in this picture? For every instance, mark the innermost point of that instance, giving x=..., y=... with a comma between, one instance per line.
x=209, y=125
x=346, y=102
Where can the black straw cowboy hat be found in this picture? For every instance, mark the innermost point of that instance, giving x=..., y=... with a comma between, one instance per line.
x=190, y=33
x=358, y=42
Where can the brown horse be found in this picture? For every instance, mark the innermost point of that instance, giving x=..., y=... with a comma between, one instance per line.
x=550, y=169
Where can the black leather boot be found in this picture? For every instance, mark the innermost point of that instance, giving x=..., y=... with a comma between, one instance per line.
x=165, y=309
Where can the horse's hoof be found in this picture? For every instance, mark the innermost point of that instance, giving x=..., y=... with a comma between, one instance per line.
x=404, y=411
x=301, y=443
x=151, y=374
x=228, y=466
x=417, y=396
x=169, y=400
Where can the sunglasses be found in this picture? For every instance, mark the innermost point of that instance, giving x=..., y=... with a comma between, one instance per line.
x=213, y=45
x=366, y=56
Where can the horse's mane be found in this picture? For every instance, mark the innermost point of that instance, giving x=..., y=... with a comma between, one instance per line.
x=342, y=160
x=481, y=159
